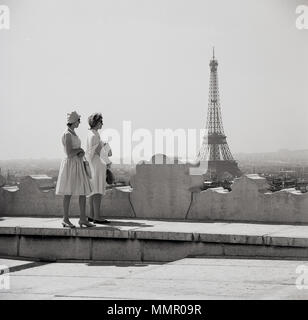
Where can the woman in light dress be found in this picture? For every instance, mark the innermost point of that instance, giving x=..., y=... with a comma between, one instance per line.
x=98, y=167
x=73, y=179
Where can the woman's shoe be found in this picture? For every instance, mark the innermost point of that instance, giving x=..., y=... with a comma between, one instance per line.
x=90, y=219
x=86, y=224
x=68, y=225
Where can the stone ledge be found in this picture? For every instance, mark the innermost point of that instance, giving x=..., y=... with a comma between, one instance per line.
x=231, y=238
x=8, y=230
x=202, y=237
x=161, y=235
x=285, y=241
x=54, y=248
x=57, y=232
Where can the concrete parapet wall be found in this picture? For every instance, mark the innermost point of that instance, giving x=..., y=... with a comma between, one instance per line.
x=30, y=200
x=117, y=203
x=168, y=190
x=249, y=200
x=163, y=190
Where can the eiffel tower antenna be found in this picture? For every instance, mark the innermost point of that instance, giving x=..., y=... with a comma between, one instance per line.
x=215, y=150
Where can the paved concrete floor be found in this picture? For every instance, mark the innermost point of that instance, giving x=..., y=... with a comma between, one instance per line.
x=190, y=278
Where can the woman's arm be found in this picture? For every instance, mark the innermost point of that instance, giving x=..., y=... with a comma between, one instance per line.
x=98, y=149
x=108, y=149
x=69, y=147
x=92, y=146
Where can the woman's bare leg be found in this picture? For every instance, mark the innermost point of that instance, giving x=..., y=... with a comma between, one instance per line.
x=91, y=214
x=82, y=207
x=66, y=207
x=97, y=205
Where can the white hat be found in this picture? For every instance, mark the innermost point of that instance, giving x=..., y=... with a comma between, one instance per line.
x=73, y=117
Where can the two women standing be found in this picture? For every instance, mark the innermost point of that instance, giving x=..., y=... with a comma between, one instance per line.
x=73, y=179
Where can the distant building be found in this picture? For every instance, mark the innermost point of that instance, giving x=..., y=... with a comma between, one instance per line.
x=2, y=181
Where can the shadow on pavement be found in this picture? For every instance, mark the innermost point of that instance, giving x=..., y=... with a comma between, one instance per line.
x=128, y=224
x=122, y=264
x=27, y=266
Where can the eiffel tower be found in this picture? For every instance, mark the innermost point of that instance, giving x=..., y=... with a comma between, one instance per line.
x=215, y=150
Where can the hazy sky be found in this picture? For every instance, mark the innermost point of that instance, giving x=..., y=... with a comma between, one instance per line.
x=148, y=62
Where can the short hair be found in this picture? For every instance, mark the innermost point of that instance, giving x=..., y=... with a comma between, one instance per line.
x=94, y=119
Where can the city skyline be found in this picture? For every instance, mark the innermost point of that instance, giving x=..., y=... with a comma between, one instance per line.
x=148, y=63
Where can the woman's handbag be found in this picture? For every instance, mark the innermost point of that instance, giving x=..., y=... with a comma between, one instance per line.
x=87, y=168
x=109, y=176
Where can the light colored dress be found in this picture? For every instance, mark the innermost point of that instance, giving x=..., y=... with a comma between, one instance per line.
x=73, y=179
x=97, y=165
x=105, y=154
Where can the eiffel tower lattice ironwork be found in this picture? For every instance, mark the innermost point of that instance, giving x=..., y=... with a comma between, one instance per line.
x=215, y=150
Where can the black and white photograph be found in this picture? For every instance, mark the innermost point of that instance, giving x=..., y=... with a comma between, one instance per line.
x=154, y=150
